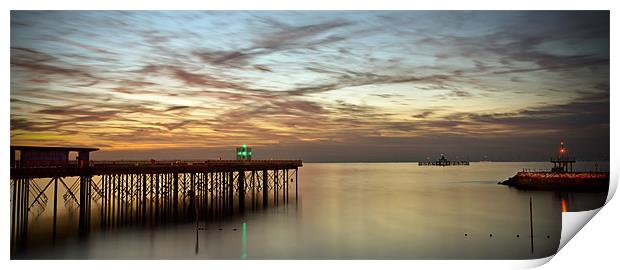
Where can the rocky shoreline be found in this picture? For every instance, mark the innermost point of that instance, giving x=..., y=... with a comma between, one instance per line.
x=582, y=181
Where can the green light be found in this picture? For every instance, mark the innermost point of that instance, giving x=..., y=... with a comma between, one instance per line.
x=244, y=146
x=244, y=242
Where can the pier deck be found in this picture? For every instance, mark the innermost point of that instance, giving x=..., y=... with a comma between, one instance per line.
x=443, y=163
x=137, y=167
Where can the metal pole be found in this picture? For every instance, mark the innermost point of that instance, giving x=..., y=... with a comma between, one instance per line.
x=82, y=205
x=101, y=219
x=55, y=210
x=275, y=187
x=230, y=192
x=176, y=196
x=13, y=214
x=156, y=198
x=253, y=192
x=265, y=189
x=131, y=189
x=531, y=227
x=241, y=184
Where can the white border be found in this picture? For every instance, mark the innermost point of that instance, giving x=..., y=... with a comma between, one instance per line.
x=595, y=246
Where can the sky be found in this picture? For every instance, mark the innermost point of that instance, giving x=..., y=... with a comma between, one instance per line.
x=322, y=86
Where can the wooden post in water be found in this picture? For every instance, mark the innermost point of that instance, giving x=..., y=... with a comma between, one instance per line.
x=241, y=187
x=143, y=217
x=253, y=192
x=531, y=227
x=55, y=210
x=156, y=198
x=83, y=205
x=125, y=186
x=211, y=193
x=175, y=199
x=265, y=189
x=151, y=200
x=219, y=188
x=131, y=193
x=275, y=187
x=108, y=199
x=231, y=191
x=27, y=202
x=101, y=220
x=13, y=213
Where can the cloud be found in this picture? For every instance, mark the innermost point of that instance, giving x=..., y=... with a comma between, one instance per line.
x=285, y=37
x=177, y=125
x=573, y=115
x=174, y=108
x=263, y=68
x=354, y=79
x=42, y=64
x=424, y=114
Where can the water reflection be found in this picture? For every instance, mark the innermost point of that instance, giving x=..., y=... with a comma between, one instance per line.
x=361, y=211
x=564, y=209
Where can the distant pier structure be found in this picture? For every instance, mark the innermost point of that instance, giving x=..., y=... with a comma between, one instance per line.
x=443, y=161
x=563, y=162
x=114, y=194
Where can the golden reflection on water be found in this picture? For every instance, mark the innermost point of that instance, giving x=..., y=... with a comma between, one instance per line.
x=564, y=206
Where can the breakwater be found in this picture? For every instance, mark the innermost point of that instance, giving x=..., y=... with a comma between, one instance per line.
x=559, y=180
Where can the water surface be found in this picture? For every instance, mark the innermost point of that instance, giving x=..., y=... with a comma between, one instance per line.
x=357, y=211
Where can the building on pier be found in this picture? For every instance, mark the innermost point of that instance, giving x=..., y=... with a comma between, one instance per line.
x=44, y=156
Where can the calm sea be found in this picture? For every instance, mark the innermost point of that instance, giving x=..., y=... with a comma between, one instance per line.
x=355, y=211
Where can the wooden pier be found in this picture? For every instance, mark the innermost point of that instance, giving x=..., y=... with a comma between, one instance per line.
x=446, y=163
x=443, y=162
x=115, y=194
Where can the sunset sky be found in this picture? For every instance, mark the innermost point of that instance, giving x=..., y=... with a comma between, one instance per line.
x=321, y=86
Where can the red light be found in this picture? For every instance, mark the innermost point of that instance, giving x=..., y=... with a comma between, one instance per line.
x=562, y=150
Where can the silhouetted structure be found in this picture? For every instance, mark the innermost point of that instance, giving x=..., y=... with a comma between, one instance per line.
x=149, y=192
x=45, y=156
x=443, y=161
x=561, y=176
x=562, y=163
